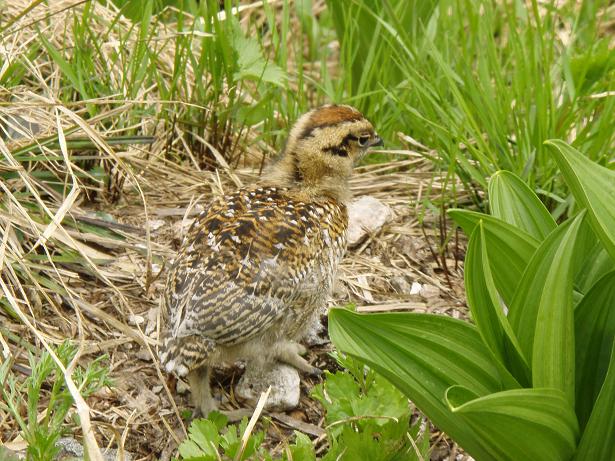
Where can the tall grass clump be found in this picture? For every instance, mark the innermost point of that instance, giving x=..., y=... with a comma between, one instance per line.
x=483, y=84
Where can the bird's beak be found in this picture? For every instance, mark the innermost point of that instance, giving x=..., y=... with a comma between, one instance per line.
x=376, y=141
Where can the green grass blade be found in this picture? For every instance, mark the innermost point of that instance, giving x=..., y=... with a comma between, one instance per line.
x=66, y=68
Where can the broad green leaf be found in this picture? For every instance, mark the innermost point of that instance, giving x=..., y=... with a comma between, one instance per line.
x=423, y=355
x=592, y=259
x=597, y=264
x=553, y=354
x=519, y=424
x=593, y=186
x=541, y=313
x=488, y=313
x=594, y=336
x=598, y=440
x=510, y=248
x=512, y=201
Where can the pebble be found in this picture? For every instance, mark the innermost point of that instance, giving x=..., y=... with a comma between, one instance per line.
x=74, y=451
x=134, y=319
x=401, y=285
x=284, y=382
x=428, y=292
x=155, y=224
x=70, y=450
x=366, y=215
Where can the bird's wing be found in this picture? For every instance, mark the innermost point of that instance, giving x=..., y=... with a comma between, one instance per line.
x=247, y=259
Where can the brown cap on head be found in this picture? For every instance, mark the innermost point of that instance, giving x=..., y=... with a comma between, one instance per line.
x=330, y=115
x=323, y=146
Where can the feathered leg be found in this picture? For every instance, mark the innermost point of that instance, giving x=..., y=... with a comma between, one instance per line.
x=203, y=401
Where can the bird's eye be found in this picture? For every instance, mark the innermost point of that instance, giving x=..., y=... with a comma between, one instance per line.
x=363, y=140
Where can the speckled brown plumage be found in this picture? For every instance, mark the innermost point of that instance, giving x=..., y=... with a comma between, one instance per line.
x=258, y=263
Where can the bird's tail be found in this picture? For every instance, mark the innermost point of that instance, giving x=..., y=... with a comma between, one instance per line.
x=183, y=354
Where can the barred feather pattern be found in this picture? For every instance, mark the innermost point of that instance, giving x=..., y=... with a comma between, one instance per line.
x=253, y=268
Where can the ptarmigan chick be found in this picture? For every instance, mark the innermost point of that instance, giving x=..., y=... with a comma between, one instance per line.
x=256, y=266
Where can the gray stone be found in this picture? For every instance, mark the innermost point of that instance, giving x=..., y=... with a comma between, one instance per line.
x=401, y=285
x=366, y=215
x=429, y=292
x=416, y=288
x=71, y=450
x=156, y=224
x=10, y=455
x=17, y=127
x=284, y=382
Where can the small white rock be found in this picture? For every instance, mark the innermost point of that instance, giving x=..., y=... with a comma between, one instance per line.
x=401, y=285
x=366, y=215
x=134, y=319
x=284, y=382
x=155, y=224
x=70, y=449
x=429, y=292
x=143, y=354
x=416, y=288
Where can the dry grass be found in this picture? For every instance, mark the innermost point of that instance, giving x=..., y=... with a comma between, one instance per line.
x=84, y=258
x=117, y=312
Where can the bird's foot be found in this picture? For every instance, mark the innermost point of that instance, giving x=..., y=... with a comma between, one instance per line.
x=315, y=372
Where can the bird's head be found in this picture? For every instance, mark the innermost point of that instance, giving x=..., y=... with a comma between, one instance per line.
x=322, y=148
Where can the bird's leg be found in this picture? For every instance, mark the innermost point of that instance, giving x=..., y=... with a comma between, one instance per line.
x=290, y=352
x=200, y=388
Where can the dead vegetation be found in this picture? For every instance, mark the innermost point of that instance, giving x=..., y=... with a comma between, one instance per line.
x=93, y=204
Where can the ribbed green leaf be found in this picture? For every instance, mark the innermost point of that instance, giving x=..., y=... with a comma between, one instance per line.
x=598, y=440
x=553, y=354
x=423, y=355
x=542, y=312
x=592, y=261
x=510, y=248
x=594, y=336
x=512, y=201
x=488, y=313
x=519, y=424
x=593, y=186
x=597, y=262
